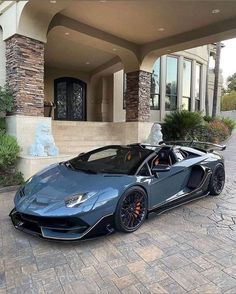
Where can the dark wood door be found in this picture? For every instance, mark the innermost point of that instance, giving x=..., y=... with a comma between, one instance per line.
x=70, y=99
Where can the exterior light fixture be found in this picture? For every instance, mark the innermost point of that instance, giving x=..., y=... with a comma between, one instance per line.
x=215, y=11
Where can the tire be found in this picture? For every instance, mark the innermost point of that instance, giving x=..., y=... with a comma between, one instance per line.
x=217, y=180
x=131, y=210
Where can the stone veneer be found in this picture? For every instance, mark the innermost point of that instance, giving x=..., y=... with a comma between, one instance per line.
x=137, y=96
x=25, y=74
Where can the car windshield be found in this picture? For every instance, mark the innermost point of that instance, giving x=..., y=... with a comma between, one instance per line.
x=115, y=160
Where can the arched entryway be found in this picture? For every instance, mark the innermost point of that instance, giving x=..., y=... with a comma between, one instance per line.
x=70, y=99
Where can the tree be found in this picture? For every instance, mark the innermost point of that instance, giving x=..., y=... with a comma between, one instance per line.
x=216, y=82
x=231, y=83
x=228, y=101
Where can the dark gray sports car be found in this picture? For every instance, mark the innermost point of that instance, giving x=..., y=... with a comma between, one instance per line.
x=115, y=187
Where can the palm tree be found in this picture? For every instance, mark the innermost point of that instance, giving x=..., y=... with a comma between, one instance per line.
x=216, y=82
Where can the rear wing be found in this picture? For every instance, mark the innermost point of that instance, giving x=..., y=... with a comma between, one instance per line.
x=203, y=146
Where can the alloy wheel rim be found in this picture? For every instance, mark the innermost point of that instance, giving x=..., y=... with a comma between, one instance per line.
x=218, y=180
x=133, y=210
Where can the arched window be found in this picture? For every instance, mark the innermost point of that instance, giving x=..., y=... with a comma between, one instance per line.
x=70, y=99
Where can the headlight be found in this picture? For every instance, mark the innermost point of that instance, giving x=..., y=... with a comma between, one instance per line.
x=74, y=200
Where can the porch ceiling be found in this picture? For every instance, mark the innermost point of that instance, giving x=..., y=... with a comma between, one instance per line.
x=66, y=49
x=141, y=21
x=138, y=31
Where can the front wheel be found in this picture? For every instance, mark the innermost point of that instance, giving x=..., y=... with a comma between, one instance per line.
x=131, y=210
x=217, y=180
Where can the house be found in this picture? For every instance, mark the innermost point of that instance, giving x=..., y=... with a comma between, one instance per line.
x=111, y=68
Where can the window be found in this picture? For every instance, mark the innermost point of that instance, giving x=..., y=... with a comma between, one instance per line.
x=197, y=86
x=114, y=160
x=171, y=83
x=144, y=171
x=155, y=86
x=186, y=95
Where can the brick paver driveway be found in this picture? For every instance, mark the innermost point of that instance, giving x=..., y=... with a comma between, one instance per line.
x=189, y=249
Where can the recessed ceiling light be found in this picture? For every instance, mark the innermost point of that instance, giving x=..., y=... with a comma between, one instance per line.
x=87, y=62
x=215, y=11
x=67, y=34
x=161, y=29
x=53, y=1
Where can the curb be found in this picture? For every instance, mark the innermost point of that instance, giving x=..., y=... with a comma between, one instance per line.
x=9, y=189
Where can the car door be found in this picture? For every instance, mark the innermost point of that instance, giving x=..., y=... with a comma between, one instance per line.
x=167, y=183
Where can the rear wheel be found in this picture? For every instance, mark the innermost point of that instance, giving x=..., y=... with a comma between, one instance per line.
x=217, y=180
x=131, y=210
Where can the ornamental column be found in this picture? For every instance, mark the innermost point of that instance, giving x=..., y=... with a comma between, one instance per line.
x=25, y=74
x=138, y=86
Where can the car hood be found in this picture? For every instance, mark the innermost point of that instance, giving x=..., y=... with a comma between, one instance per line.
x=48, y=189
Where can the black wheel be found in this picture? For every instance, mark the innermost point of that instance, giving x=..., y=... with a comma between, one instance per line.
x=217, y=180
x=131, y=210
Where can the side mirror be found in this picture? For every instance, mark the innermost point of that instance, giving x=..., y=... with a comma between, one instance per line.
x=161, y=168
x=82, y=153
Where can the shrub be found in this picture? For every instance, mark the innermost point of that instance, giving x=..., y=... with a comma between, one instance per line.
x=11, y=179
x=231, y=124
x=9, y=151
x=218, y=131
x=208, y=118
x=6, y=100
x=178, y=125
x=228, y=101
x=2, y=124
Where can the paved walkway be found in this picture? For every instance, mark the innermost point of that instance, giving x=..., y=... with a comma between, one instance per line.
x=191, y=249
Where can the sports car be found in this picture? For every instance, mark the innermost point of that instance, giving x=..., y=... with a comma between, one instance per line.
x=116, y=188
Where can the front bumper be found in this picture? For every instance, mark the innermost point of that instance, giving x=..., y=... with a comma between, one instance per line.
x=60, y=228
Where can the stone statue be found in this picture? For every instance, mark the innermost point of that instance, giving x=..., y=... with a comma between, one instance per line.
x=43, y=144
x=155, y=136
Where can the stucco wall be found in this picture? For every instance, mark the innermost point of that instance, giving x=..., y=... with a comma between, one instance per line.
x=2, y=59
x=118, y=111
x=200, y=54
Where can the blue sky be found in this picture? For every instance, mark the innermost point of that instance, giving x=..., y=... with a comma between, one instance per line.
x=228, y=58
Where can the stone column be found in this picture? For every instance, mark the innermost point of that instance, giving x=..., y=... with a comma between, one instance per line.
x=138, y=85
x=25, y=74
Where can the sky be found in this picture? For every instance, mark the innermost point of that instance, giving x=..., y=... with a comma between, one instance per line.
x=228, y=58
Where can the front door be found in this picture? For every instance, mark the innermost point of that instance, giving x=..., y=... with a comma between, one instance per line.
x=70, y=99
